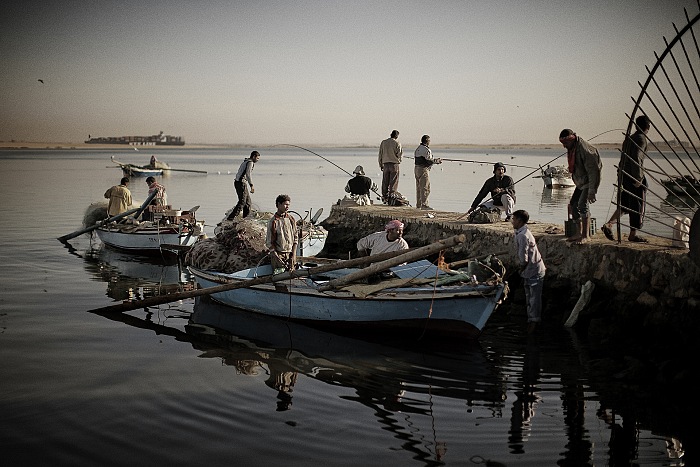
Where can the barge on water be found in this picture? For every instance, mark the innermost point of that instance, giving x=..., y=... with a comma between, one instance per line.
x=160, y=139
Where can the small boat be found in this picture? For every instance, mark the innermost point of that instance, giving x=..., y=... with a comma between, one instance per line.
x=131, y=170
x=171, y=232
x=686, y=185
x=418, y=298
x=556, y=177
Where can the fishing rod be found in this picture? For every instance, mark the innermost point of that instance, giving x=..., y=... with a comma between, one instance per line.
x=480, y=162
x=540, y=168
x=329, y=161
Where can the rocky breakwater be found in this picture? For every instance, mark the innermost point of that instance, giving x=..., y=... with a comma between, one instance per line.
x=644, y=292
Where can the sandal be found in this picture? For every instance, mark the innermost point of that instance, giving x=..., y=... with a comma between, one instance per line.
x=608, y=233
x=638, y=240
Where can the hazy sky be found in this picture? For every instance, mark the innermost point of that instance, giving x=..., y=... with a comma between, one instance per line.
x=327, y=72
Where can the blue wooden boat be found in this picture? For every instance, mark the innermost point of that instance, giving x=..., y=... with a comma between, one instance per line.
x=417, y=297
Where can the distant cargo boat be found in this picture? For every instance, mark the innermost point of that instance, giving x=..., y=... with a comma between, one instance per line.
x=154, y=140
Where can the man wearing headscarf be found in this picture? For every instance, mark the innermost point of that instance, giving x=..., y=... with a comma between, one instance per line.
x=382, y=242
x=359, y=186
x=502, y=190
x=585, y=168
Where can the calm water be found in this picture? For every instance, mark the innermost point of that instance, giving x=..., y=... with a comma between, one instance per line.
x=194, y=384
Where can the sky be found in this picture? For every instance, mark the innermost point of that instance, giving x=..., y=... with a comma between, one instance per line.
x=327, y=72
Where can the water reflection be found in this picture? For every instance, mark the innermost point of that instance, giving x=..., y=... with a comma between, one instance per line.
x=411, y=389
x=130, y=277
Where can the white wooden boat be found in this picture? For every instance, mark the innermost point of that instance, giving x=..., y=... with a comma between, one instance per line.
x=419, y=298
x=556, y=177
x=171, y=233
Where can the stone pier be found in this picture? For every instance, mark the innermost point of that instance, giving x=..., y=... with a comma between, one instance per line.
x=650, y=288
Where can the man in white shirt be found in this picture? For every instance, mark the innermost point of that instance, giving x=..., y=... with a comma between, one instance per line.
x=382, y=242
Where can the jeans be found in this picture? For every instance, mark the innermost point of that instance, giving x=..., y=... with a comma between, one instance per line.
x=533, y=296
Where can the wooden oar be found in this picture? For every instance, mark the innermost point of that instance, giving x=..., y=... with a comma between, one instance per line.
x=97, y=224
x=185, y=170
x=138, y=212
x=153, y=301
x=405, y=257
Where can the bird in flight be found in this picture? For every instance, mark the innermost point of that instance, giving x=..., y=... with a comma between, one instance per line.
x=41, y=81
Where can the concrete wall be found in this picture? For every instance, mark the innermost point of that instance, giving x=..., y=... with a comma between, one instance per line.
x=645, y=288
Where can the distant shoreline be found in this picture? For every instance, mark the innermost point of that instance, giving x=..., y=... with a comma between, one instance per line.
x=75, y=146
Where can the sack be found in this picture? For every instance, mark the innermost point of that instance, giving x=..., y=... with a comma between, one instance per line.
x=396, y=199
x=681, y=232
x=484, y=215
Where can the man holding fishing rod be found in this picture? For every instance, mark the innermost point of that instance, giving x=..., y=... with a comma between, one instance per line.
x=502, y=190
x=424, y=161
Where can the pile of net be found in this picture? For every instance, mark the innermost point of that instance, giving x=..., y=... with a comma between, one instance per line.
x=238, y=244
x=94, y=213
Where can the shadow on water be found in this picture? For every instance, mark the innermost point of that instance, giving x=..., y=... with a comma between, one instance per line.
x=506, y=372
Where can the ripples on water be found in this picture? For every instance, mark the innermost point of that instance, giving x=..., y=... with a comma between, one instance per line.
x=193, y=383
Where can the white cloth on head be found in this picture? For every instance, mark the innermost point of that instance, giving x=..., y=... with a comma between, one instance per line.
x=377, y=243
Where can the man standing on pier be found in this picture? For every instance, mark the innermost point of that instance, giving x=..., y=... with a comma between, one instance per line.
x=390, y=155
x=585, y=168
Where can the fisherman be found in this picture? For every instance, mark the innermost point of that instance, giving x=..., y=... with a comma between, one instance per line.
x=382, y=242
x=154, y=162
x=161, y=197
x=119, y=198
x=390, y=156
x=241, y=183
x=281, y=240
x=359, y=186
x=502, y=190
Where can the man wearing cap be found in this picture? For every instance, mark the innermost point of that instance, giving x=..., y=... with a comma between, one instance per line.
x=424, y=161
x=382, y=242
x=390, y=156
x=585, y=168
x=502, y=190
x=359, y=186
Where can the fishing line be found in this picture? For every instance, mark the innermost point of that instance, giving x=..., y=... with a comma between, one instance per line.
x=548, y=163
x=327, y=160
x=480, y=162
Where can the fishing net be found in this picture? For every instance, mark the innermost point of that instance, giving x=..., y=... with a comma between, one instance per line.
x=238, y=244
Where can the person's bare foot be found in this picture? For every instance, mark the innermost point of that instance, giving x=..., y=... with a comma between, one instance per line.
x=582, y=240
x=574, y=238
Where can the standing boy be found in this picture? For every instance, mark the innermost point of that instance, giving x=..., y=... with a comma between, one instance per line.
x=281, y=240
x=531, y=267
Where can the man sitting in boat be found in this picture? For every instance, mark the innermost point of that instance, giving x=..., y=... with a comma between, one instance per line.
x=281, y=240
x=161, y=198
x=359, y=187
x=382, y=242
x=154, y=162
x=119, y=198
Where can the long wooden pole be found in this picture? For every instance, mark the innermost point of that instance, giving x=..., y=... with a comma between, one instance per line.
x=153, y=301
x=403, y=258
x=97, y=224
x=185, y=170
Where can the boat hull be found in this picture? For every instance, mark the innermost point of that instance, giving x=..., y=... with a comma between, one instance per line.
x=130, y=171
x=447, y=310
x=148, y=241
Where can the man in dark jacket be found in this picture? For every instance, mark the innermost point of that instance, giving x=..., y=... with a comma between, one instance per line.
x=502, y=191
